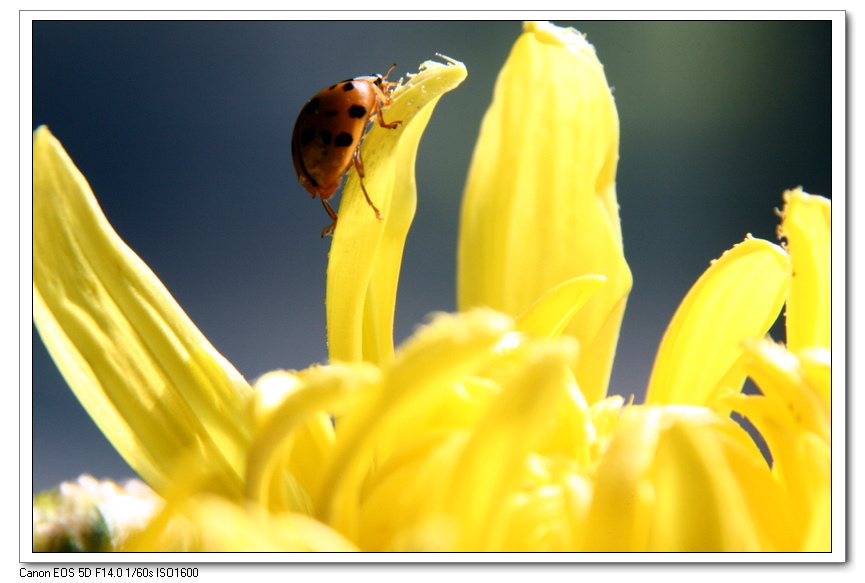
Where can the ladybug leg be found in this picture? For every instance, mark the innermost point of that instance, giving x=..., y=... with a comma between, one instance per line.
x=329, y=229
x=383, y=99
x=358, y=164
x=383, y=123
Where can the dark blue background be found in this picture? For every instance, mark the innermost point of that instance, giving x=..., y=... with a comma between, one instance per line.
x=182, y=129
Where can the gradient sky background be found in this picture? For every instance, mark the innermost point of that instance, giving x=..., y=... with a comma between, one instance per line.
x=183, y=130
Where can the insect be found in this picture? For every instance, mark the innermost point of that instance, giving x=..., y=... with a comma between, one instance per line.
x=328, y=133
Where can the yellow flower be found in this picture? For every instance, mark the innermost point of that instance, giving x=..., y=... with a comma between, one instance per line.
x=489, y=429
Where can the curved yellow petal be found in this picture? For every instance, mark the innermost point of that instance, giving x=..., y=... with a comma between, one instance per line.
x=682, y=479
x=807, y=226
x=540, y=202
x=701, y=494
x=794, y=417
x=149, y=379
x=365, y=255
x=782, y=379
x=295, y=433
x=738, y=297
x=516, y=423
x=441, y=353
x=551, y=313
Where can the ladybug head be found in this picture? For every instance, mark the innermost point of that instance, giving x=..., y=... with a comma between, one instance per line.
x=380, y=79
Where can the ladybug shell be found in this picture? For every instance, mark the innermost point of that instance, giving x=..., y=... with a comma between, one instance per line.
x=328, y=132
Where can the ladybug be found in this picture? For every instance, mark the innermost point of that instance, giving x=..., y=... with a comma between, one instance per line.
x=328, y=132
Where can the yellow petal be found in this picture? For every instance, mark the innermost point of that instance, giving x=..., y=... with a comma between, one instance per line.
x=290, y=424
x=440, y=354
x=553, y=311
x=700, y=500
x=738, y=297
x=807, y=226
x=538, y=521
x=402, y=504
x=816, y=366
x=517, y=422
x=782, y=379
x=149, y=379
x=540, y=202
x=619, y=514
x=295, y=433
x=794, y=417
x=682, y=479
x=819, y=535
x=365, y=255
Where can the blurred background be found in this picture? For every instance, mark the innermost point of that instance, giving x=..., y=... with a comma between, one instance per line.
x=183, y=130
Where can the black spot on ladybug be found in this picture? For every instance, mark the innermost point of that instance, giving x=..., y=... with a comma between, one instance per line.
x=324, y=136
x=349, y=86
x=312, y=106
x=307, y=135
x=343, y=140
x=357, y=111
